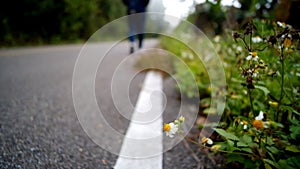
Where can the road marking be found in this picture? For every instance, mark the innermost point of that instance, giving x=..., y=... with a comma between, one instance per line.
x=142, y=145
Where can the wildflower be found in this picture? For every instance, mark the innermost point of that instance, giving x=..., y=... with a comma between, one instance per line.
x=245, y=124
x=174, y=127
x=215, y=147
x=217, y=38
x=256, y=39
x=170, y=129
x=251, y=73
x=239, y=48
x=255, y=73
x=274, y=104
x=181, y=119
x=252, y=56
x=206, y=140
x=260, y=116
x=258, y=123
x=281, y=24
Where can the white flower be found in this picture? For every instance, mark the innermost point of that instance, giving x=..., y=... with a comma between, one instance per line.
x=260, y=116
x=240, y=49
x=256, y=39
x=206, y=140
x=170, y=129
x=283, y=25
x=255, y=74
x=245, y=124
x=209, y=141
x=217, y=38
x=258, y=123
x=252, y=56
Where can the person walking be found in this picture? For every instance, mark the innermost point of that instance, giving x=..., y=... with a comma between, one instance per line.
x=136, y=21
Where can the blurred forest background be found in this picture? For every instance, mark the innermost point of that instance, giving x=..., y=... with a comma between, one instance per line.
x=37, y=22
x=27, y=22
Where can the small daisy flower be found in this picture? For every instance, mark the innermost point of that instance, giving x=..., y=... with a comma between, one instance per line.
x=206, y=140
x=170, y=129
x=258, y=123
x=245, y=124
x=252, y=56
x=283, y=25
x=256, y=39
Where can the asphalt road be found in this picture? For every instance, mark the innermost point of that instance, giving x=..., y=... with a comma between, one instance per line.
x=38, y=125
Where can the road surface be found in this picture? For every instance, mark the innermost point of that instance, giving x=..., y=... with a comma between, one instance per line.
x=39, y=127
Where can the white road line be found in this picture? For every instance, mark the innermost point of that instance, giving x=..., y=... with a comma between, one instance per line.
x=142, y=145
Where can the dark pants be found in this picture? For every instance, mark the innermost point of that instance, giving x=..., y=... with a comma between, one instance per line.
x=136, y=27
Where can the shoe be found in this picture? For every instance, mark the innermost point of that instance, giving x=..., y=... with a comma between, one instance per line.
x=131, y=50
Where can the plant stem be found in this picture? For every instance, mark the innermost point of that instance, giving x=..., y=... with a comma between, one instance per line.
x=282, y=84
x=251, y=102
x=245, y=43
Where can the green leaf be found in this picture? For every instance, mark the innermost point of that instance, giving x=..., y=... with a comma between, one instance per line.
x=295, y=131
x=270, y=141
x=267, y=166
x=285, y=164
x=272, y=149
x=264, y=89
x=248, y=150
x=271, y=163
x=292, y=148
x=246, y=139
x=288, y=108
x=230, y=145
x=241, y=144
x=226, y=134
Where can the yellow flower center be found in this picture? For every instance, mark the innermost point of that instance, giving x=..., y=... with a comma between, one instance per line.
x=167, y=127
x=245, y=122
x=204, y=140
x=258, y=124
x=253, y=54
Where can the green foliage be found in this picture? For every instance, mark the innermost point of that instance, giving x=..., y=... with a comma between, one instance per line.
x=196, y=68
x=266, y=59
x=53, y=21
x=261, y=122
